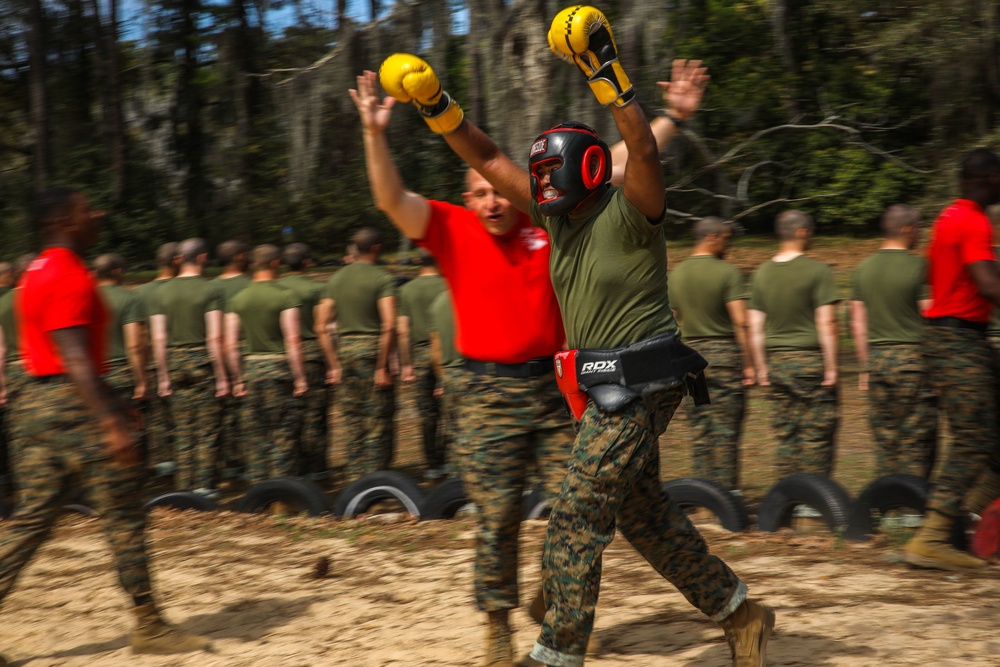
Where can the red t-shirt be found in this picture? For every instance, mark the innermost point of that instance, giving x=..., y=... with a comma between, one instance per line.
x=57, y=292
x=505, y=309
x=961, y=235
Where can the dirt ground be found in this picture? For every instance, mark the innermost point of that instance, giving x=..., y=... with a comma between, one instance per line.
x=399, y=593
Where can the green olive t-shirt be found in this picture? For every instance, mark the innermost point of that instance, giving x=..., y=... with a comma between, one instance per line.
x=891, y=283
x=260, y=306
x=699, y=289
x=356, y=290
x=415, y=298
x=789, y=294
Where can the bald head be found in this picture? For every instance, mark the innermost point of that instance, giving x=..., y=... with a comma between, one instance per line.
x=51, y=206
x=191, y=249
x=232, y=251
x=788, y=224
x=367, y=240
x=6, y=274
x=265, y=257
x=898, y=219
x=109, y=266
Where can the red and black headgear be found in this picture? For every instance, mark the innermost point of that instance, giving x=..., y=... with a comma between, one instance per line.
x=584, y=166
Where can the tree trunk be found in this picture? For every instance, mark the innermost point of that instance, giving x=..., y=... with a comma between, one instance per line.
x=41, y=165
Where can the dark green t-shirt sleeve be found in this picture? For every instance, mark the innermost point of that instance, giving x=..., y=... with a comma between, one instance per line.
x=923, y=289
x=636, y=225
x=825, y=290
x=133, y=310
x=856, y=286
x=217, y=301
x=735, y=286
x=756, y=296
x=387, y=288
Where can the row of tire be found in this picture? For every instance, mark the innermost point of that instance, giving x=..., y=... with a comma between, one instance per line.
x=856, y=519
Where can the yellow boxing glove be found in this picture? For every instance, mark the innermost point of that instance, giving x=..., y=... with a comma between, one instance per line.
x=582, y=35
x=410, y=79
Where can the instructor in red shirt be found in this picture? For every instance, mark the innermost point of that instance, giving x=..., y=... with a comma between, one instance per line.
x=75, y=433
x=965, y=286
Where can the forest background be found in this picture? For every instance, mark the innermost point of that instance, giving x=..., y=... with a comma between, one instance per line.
x=231, y=119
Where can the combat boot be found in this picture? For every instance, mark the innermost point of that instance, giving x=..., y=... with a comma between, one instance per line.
x=986, y=490
x=499, y=649
x=747, y=631
x=154, y=635
x=931, y=547
x=536, y=610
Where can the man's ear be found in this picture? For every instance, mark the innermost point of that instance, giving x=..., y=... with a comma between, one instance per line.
x=467, y=199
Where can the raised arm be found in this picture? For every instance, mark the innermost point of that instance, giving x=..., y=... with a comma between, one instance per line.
x=681, y=98
x=408, y=211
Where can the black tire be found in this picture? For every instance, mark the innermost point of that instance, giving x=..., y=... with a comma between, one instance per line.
x=293, y=491
x=378, y=486
x=817, y=491
x=691, y=492
x=894, y=492
x=444, y=501
x=891, y=492
x=536, y=505
x=183, y=500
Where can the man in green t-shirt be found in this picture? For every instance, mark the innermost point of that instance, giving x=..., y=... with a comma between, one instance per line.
x=608, y=268
x=186, y=323
x=793, y=336
x=6, y=277
x=159, y=430
x=888, y=294
x=268, y=376
x=314, y=436
x=415, y=298
x=708, y=296
x=128, y=348
x=233, y=255
x=361, y=300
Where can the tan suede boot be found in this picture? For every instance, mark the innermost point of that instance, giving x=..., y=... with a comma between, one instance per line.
x=536, y=610
x=154, y=635
x=986, y=490
x=499, y=649
x=747, y=631
x=931, y=547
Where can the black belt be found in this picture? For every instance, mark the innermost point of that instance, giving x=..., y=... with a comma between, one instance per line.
x=529, y=369
x=957, y=323
x=60, y=378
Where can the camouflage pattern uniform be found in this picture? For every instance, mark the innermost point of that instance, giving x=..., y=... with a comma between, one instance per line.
x=194, y=411
x=902, y=409
x=717, y=427
x=62, y=450
x=803, y=412
x=503, y=425
x=902, y=405
x=158, y=429
x=613, y=479
x=367, y=411
x=271, y=418
x=964, y=371
x=313, y=437
x=415, y=299
x=228, y=439
x=12, y=369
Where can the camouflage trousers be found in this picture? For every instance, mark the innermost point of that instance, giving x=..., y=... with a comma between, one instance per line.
x=229, y=438
x=368, y=411
x=428, y=406
x=717, y=427
x=963, y=369
x=902, y=410
x=313, y=437
x=506, y=427
x=193, y=410
x=803, y=412
x=61, y=452
x=119, y=378
x=159, y=429
x=272, y=417
x=15, y=378
x=613, y=482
